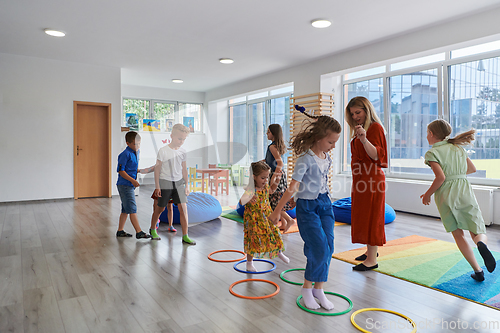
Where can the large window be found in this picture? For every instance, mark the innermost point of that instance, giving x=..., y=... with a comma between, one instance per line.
x=249, y=121
x=163, y=113
x=238, y=132
x=414, y=100
x=373, y=91
x=138, y=107
x=475, y=103
x=280, y=114
x=188, y=113
x=461, y=86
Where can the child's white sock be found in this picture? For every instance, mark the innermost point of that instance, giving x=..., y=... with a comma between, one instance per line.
x=250, y=266
x=284, y=258
x=309, y=301
x=320, y=295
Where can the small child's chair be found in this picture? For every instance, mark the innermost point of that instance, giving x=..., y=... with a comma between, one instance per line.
x=220, y=178
x=236, y=175
x=195, y=182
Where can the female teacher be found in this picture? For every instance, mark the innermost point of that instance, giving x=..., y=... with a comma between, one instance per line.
x=369, y=156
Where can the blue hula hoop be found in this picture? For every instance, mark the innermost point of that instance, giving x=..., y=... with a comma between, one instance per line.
x=261, y=272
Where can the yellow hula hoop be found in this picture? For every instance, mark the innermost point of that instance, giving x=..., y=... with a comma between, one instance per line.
x=382, y=310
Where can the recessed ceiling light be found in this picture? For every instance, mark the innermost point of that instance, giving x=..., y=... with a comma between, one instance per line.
x=226, y=61
x=321, y=23
x=177, y=81
x=54, y=33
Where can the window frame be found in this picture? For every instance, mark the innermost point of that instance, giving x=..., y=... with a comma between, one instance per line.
x=177, y=119
x=444, y=102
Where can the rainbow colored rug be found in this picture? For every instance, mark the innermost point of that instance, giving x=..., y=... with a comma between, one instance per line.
x=435, y=264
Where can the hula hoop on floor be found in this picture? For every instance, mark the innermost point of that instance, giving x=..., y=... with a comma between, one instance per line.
x=231, y=260
x=282, y=276
x=327, y=313
x=261, y=272
x=381, y=310
x=254, y=297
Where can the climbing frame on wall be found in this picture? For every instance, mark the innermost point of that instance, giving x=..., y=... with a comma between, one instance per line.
x=319, y=104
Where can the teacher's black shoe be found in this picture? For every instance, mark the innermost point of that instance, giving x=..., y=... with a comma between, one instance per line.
x=362, y=257
x=362, y=267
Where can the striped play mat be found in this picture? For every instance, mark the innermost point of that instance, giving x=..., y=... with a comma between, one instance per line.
x=435, y=264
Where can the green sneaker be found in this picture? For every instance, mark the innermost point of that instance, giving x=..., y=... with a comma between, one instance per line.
x=187, y=240
x=154, y=234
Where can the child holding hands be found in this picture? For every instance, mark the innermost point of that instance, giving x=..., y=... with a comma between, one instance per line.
x=273, y=158
x=262, y=239
x=314, y=210
x=453, y=193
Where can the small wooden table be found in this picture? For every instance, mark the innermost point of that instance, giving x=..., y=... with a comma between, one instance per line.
x=212, y=171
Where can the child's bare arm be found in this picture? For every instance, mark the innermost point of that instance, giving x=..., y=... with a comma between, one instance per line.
x=185, y=175
x=147, y=170
x=247, y=196
x=471, y=168
x=294, y=186
x=125, y=175
x=438, y=181
x=275, y=180
x=157, y=178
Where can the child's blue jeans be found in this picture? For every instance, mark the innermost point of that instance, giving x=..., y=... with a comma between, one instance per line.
x=315, y=220
x=127, y=196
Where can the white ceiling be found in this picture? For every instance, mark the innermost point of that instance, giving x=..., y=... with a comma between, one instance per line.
x=155, y=41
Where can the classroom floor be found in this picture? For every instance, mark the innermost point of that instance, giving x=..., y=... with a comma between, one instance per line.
x=63, y=270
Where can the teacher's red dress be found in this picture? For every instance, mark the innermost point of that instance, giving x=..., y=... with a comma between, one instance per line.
x=368, y=189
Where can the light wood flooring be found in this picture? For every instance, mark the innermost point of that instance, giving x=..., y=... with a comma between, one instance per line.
x=63, y=270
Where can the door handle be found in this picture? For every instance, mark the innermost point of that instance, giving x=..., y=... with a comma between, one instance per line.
x=78, y=150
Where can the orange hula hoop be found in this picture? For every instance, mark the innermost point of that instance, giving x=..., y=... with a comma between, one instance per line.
x=254, y=297
x=231, y=260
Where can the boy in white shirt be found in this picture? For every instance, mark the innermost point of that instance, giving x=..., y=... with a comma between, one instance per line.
x=171, y=177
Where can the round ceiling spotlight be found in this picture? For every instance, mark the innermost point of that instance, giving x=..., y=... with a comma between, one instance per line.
x=177, y=81
x=54, y=33
x=226, y=61
x=321, y=23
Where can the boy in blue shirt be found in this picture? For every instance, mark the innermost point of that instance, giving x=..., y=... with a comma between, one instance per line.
x=128, y=163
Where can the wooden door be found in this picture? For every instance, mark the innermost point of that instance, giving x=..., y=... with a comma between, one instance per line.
x=92, y=149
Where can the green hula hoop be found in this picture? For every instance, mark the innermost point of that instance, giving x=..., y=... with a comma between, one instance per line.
x=327, y=313
x=282, y=276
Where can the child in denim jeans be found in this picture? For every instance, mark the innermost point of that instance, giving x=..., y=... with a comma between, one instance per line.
x=314, y=211
x=128, y=162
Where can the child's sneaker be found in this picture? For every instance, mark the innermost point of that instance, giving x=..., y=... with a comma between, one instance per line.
x=123, y=233
x=187, y=240
x=142, y=234
x=478, y=276
x=172, y=229
x=489, y=260
x=154, y=234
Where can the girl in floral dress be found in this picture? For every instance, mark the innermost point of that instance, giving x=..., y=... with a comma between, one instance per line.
x=262, y=238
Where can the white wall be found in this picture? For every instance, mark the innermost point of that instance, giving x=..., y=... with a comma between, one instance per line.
x=130, y=91
x=36, y=110
x=307, y=77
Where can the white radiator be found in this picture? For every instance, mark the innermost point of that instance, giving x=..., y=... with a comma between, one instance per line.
x=404, y=195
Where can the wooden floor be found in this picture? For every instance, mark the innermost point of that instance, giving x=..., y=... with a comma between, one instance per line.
x=63, y=270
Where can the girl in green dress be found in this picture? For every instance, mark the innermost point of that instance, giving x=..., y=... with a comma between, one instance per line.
x=262, y=238
x=453, y=193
